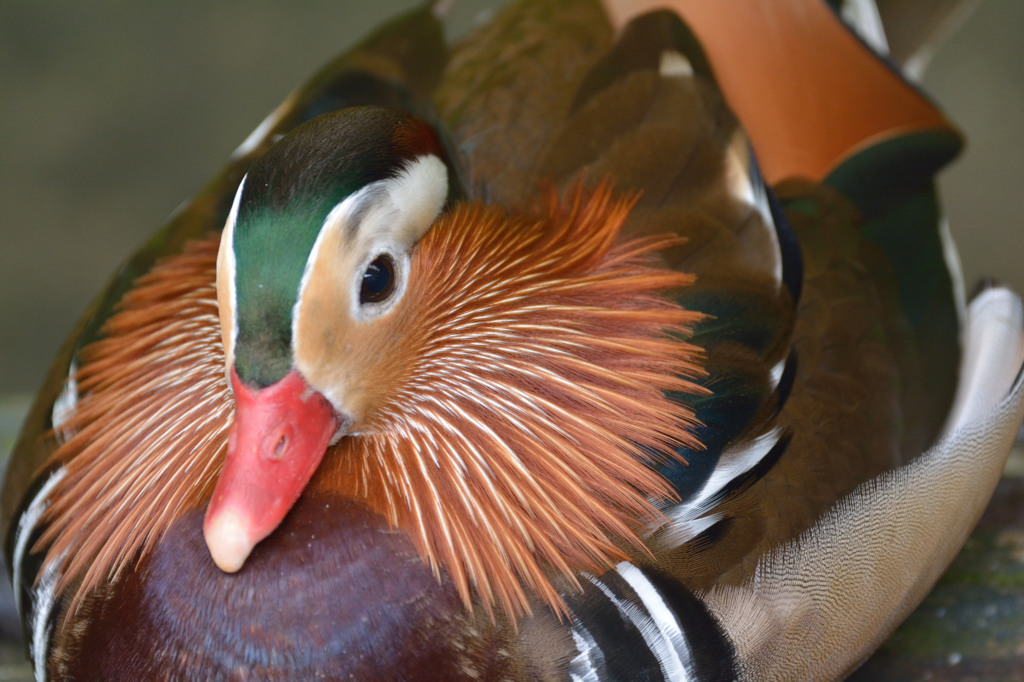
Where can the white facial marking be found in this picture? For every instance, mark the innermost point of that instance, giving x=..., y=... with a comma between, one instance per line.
x=385, y=217
x=419, y=192
x=227, y=298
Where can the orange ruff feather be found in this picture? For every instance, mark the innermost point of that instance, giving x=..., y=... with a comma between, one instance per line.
x=149, y=434
x=527, y=386
x=529, y=399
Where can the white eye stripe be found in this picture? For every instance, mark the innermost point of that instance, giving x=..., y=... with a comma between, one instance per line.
x=226, y=273
x=386, y=217
x=419, y=192
x=398, y=209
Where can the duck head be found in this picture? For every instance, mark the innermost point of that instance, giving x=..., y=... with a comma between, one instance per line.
x=493, y=382
x=314, y=257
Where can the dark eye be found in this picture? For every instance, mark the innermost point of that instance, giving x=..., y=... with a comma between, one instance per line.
x=378, y=280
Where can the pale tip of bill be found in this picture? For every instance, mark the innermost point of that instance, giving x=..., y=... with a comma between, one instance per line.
x=228, y=540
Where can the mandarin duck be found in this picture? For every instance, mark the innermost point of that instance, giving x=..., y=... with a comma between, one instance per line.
x=604, y=343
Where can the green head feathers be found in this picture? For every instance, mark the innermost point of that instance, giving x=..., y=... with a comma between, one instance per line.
x=282, y=207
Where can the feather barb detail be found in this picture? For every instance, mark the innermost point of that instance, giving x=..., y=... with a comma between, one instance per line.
x=532, y=383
